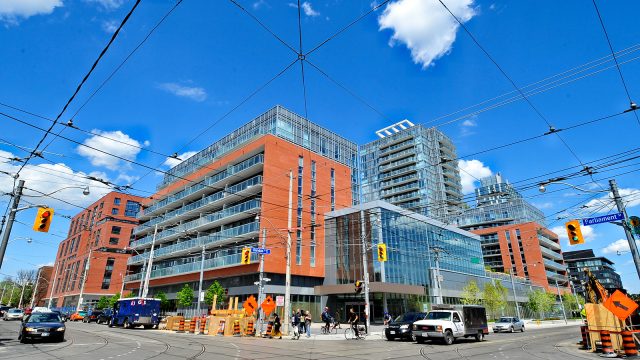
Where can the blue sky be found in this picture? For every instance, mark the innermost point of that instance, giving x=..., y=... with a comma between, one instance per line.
x=408, y=60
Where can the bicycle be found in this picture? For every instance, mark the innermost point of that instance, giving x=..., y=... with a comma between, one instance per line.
x=327, y=329
x=350, y=334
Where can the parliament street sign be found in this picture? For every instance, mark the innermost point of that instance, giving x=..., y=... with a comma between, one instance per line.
x=603, y=219
x=261, y=251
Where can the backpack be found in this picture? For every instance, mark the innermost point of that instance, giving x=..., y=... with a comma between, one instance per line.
x=325, y=317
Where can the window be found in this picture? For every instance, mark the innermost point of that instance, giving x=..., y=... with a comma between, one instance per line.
x=101, y=204
x=312, y=243
x=116, y=230
x=108, y=270
x=456, y=317
x=299, y=212
x=116, y=201
x=333, y=189
x=132, y=208
x=113, y=241
x=114, y=211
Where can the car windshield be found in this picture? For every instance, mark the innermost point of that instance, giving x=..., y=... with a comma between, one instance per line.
x=15, y=311
x=43, y=317
x=439, y=315
x=410, y=317
x=505, y=319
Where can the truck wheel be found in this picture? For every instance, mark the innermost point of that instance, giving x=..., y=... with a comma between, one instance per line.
x=420, y=339
x=126, y=324
x=148, y=326
x=448, y=337
x=480, y=336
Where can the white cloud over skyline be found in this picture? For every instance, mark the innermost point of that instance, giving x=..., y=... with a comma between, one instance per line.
x=190, y=92
x=12, y=11
x=171, y=162
x=469, y=171
x=108, y=146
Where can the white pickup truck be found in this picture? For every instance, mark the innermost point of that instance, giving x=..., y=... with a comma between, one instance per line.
x=447, y=323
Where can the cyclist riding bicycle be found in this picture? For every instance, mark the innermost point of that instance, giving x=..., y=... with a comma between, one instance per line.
x=326, y=318
x=353, y=320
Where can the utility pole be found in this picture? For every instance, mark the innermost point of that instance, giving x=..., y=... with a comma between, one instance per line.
x=12, y=217
x=261, y=281
x=287, y=282
x=53, y=287
x=201, y=278
x=438, y=284
x=515, y=297
x=627, y=231
x=564, y=313
x=35, y=289
x=3, y=288
x=11, y=296
x=84, y=279
x=365, y=269
x=147, y=274
x=24, y=284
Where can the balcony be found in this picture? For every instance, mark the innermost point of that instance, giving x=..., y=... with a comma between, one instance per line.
x=228, y=215
x=400, y=189
x=209, y=264
x=245, y=168
x=555, y=276
x=405, y=197
x=548, y=243
x=402, y=171
x=399, y=181
x=550, y=264
x=234, y=234
x=397, y=164
x=550, y=253
x=399, y=144
x=396, y=156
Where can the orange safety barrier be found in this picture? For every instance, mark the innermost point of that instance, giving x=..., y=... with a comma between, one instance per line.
x=607, y=347
x=628, y=344
x=221, y=327
x=269, y=328
x=203, y=322
x=236, y=328
x=192, y=325
x=586, y=343
x=181, y=326
x=249, y=330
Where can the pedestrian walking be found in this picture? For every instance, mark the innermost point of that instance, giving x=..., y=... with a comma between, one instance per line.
x=301, y=323
x=276, y=327
x=337, y=318
x=295, y=324
x=307, y=323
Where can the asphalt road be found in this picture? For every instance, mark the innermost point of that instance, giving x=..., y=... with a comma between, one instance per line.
x=98, y=342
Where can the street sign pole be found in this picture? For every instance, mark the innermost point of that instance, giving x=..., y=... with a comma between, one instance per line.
x=627, y=231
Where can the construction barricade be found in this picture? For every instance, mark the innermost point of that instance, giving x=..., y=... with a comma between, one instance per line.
x=628, y=344
x=607, y=347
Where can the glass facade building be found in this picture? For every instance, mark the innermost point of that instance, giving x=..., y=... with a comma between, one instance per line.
x=601, y=267
x=412, y=169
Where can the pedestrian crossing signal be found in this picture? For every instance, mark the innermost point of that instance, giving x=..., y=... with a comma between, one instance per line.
x=246, y=256
x=573, y=232
x=358, y=285
x=43, y=220
x=382, y=252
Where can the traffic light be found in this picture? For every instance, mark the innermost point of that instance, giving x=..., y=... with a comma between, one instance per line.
x=382, y=252
x=574, y=233
x=43, y=220
x=246, y=256
x=358, y=285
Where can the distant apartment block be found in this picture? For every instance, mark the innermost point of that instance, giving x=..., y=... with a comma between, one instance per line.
x=601, y=267
x=227, y=196
x=412, y=167
x=97, y=239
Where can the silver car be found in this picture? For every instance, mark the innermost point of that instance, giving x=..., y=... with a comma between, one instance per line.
x=509, y=324
x=13, y=314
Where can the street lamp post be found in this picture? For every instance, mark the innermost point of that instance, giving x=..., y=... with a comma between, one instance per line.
x=83, y=279
x=564, y=313
x=201, y=279
x=53, y=286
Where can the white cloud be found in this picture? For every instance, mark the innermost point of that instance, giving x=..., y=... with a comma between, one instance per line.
x=193, y=93
x=109, y=26
x=98, y=158
x=605, y=204
x=52, y=178
x=171, y=162
x=425, y=27
x=11, y=11
x=107, y=4
x=258, y=4
x=621, y=245
x=469, y=171
x=308, y=10
x=469, y=123
x=587, y=233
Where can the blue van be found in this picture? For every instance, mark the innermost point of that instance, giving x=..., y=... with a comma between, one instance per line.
x=132, y=312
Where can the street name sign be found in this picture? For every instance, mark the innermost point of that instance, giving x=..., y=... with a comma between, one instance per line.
x=603, y=219
x=261, y=251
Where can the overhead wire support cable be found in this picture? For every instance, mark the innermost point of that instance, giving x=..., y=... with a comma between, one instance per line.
x=615, y=59
x=79, y=87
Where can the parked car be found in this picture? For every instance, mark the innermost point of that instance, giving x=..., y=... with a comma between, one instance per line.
x=3, y=309
x=509, y=324
x=62, y=315
x=105, y=316
x=78, y=316
x=28, y=311
x=132, y=312
x=41, y=325
x=40, y=309
x=401, y=327
x=448, y=323
x=92, y=317
x=13, y=314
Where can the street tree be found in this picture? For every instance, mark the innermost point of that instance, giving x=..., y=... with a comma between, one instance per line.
x=571, y=302
x=164, y=302
x=541, y=301
x=495, y=297
x=113, y=299
x=130, y=295
x=214, y=289
x=185, y=296
x=103, y=302
x=471, y=293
